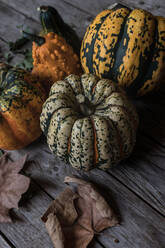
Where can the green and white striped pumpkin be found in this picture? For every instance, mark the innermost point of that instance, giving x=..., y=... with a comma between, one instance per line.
x=89, y=122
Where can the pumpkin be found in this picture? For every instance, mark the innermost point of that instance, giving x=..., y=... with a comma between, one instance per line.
x=89, y=122
x=51, y=21
x=21, y=101
x=53, y=55
x=127, y=46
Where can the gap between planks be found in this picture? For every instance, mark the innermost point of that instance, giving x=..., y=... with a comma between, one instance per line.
x=138, y=195
x=130, y=206
x=5, y=242
x=93, y=8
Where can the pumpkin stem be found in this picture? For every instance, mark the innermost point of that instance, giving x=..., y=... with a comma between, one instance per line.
x=51, y=21
x=86, y=108
x=37, y=39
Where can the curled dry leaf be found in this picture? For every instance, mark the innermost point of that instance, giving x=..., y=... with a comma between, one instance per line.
x=12, y=185
x=63, y=206
x=102, y=215
x=73, y=219
x=55, y=230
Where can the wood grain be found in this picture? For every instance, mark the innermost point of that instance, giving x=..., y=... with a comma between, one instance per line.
x=144, y=173
x=155, y=7
x=137, y=216
x=27, y=230
x=71, y=15
x=4, y=244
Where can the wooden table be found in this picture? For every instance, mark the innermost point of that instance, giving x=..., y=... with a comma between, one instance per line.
x=136, y=187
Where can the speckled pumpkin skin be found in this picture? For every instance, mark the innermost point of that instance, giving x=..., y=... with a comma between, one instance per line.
x=54, y=60
x=21, y=101
x=127, y=46
x=101, y=137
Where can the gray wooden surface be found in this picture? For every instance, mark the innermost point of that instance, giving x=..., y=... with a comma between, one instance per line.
x=136, y=188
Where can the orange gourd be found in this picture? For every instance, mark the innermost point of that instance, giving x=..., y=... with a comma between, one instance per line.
x=55, y=53
x=21, y=100
x=54, y=60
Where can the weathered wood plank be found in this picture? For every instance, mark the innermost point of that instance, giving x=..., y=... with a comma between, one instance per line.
x=12, y=20
x=140, y=216
x=137, y=216
x=49, y=173
x=131, y=209
x=9, y=31
x=144, y=173
x=150, y=151
x=71, y=15
x=90, y=7
x=4, y=244
x=27, y=230
x=155, y=7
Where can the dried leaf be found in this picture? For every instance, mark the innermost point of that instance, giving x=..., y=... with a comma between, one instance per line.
x=63, y=206
x=76, y=236
x=102, y=215
x=69, y=229
x=60, y=214
x=12, y=185
x=55, y=230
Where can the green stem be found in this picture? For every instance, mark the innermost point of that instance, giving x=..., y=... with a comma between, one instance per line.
x=50, y=19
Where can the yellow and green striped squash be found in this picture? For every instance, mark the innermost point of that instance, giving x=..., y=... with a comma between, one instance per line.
x=89, y=122
x=127, y=46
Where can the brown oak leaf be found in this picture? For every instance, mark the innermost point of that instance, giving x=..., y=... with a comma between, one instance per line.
x=73, y=218
x=12, y=185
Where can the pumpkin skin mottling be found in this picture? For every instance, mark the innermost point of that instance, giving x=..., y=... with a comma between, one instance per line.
x=54, y=60
x=21, y=100
x=89, y=122
x=127, y=46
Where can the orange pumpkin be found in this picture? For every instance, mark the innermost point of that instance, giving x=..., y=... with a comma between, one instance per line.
x=54, y=60
x=21, y=100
